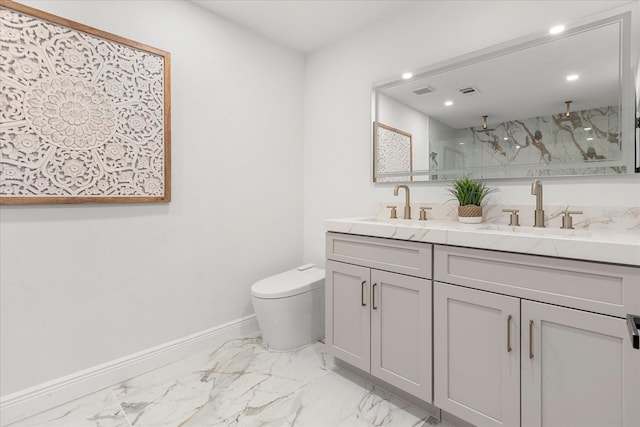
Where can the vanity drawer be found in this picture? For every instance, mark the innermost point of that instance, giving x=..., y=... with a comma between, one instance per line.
x=597, y=287
x=411, y=258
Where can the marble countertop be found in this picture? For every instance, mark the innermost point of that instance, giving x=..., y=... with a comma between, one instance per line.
x=619, y=246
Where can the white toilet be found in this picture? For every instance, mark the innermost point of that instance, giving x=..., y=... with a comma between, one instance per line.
x=290, y=307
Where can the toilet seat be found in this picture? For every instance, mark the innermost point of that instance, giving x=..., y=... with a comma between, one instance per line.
x=289, y=283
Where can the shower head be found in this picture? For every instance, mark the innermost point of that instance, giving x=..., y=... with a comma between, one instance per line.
x=484, y=126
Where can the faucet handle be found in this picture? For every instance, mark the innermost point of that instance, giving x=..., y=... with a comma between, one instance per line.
x=514, y=219
x=394, y=213
x=423, y=212
x=567, y=220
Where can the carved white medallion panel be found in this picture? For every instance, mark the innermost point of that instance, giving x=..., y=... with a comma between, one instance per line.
x=392, y=154
x=80, y=115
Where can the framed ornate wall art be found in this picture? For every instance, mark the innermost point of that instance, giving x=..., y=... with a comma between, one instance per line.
x=84, y=114
x=392, y=155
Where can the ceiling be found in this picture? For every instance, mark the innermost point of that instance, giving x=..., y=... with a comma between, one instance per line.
x=528, y=82
x=305, y=25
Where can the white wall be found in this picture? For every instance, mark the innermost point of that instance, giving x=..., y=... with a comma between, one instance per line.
x=412, y=121
x=337, y=135
x=82, y=285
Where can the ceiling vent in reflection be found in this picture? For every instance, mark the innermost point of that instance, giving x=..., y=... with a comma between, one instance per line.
x=469, y=90
x=424, y=90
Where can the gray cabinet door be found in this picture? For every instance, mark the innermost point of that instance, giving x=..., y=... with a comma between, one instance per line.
x=477, y=355
x=578, y=369
x=347, y=323
x=401, y=332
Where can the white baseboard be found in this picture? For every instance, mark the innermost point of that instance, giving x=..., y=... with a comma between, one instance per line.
x=24, y=403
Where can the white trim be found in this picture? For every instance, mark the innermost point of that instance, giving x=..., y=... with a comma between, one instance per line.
x=30, y=401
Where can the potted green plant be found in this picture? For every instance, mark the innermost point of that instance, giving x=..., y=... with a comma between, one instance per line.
x=470, y=195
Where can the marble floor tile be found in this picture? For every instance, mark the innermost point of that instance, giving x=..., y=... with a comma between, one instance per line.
x=100, y=409
x=240, y=384
x=341, y=398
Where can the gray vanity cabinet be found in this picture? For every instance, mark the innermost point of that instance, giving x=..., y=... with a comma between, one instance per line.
x=518, y=340
x=496, y=355
x=510, y=360
x=376, y=320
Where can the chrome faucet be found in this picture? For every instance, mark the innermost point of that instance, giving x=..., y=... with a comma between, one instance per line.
x=538, y=215
x=407, y=202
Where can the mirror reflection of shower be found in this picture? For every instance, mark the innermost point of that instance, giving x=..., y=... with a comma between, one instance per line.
x=503, y=123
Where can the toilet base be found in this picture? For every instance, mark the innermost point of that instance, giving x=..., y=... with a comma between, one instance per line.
x=290, y=323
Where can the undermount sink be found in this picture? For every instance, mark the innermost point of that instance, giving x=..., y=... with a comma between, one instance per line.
x=483, y=227
x=534, y=231
x=394, y=221
x=415, y=223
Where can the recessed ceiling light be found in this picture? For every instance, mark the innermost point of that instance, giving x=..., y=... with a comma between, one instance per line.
x=556, y=30
x=505, y=138
x=448, y=103
x=587, y=129
x=407, y=76
x=589, y=139
x=462, y=143
x=572, y=77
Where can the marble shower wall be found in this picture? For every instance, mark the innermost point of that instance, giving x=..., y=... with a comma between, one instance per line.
x=585, y=142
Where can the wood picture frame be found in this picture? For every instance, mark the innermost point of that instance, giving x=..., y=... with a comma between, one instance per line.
x=85, y=115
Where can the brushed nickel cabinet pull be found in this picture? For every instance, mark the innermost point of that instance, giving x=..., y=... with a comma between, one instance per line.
x=530, y=339
x=509, y=334
x=373, y=296
x=364, y=304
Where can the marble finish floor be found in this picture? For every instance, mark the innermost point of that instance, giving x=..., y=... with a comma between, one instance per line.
x=240, y=384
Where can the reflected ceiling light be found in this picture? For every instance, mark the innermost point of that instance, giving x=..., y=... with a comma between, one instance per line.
x=505, y=138
x=568, y=112
x=556, y=30
x=407, y=76
x=448, y=103
x=587, y=129
x=589, y=139
x=572, y=77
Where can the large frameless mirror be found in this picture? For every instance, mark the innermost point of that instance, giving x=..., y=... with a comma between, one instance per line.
x=547, y=105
